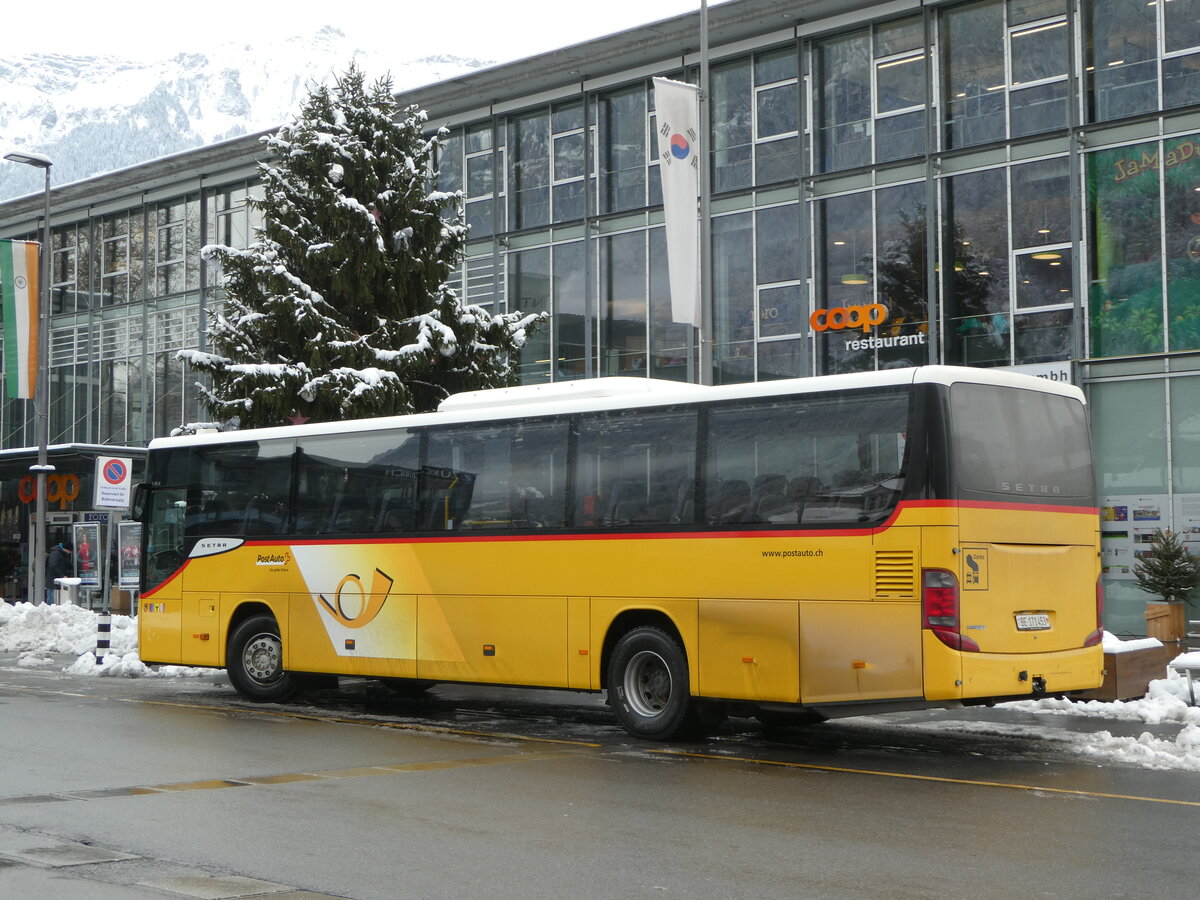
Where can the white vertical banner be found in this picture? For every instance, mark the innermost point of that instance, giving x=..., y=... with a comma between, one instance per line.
x=677, y=106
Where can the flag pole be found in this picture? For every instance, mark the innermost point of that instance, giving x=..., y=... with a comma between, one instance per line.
x=41, y=398
x=705, y=361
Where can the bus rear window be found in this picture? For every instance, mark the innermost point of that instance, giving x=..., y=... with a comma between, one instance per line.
x=1020, y=444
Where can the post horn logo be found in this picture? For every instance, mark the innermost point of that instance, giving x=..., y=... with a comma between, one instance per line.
x=354, y=607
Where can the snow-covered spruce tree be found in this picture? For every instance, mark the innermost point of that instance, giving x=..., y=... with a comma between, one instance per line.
x=340, y=308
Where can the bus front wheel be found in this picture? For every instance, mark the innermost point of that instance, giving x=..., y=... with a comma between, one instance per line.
x=648, y=686
x=254, y=659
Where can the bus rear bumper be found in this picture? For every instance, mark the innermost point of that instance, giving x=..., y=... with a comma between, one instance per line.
x=1017, y=674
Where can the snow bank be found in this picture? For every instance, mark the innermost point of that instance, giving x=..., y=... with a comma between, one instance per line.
x=1113, y=644
x=39, y=632
x=26, y=628
x=1166, y=702
x=1145, y=750
x=130, y=665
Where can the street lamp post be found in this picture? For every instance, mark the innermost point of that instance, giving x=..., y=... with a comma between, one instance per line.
x=41, y=401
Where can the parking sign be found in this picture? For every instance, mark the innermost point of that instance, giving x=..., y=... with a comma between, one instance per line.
x=114, y=478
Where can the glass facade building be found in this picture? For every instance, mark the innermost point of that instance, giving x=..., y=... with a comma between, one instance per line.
x=1015, y=182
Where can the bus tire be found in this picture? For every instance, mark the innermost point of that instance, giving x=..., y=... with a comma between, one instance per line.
x=254, y=660
x=648, y=686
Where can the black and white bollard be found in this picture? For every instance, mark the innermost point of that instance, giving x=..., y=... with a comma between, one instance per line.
x=103, y=634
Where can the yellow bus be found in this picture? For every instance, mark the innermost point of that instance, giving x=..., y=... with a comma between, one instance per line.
x=838, y=545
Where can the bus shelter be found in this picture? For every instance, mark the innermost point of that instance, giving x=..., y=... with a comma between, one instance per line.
x=72, y=516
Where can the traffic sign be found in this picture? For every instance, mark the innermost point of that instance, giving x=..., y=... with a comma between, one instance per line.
x=114, y=481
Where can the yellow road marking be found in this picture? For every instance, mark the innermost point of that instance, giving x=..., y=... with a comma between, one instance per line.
x=1012, y=786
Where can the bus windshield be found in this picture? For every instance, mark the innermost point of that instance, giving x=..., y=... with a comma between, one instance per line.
x=1020, y=444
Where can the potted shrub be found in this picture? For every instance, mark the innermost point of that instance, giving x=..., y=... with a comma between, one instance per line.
x=1168, y=571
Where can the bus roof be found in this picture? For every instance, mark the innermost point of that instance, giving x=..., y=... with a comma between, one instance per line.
x=600, y=394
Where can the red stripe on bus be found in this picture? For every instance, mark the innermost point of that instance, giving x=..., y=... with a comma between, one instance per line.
x=668, y=535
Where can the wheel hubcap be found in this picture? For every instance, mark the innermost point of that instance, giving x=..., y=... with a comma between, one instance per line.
x=262, y=658
x=647, y=684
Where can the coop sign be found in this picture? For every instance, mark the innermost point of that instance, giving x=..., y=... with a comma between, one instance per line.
x=862, y=318
x=865, y=317
x=60, y=489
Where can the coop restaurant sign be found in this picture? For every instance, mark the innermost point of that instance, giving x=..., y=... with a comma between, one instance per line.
x=864, y=318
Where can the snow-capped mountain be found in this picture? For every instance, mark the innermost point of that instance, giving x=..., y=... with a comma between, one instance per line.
x=94, y=114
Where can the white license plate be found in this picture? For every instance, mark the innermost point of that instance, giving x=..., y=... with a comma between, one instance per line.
x=1032, y=621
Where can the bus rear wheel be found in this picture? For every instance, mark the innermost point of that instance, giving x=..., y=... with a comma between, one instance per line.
x=648, y=686
x=254, y=660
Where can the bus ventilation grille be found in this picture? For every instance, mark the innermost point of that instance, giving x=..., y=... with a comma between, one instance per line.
x=896, y=574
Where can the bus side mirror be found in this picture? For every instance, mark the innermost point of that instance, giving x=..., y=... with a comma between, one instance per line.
x=137, y=509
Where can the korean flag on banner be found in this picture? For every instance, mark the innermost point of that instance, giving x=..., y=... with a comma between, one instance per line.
x=678, y=111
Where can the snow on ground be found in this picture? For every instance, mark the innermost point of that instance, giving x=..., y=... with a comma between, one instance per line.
x=38, y=633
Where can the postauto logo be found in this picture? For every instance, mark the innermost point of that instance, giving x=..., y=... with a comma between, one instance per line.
x=865, y=317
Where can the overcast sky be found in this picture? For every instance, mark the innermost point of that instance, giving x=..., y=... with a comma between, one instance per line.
x=498, y=30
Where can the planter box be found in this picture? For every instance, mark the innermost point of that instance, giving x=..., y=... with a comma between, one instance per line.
x=1165, y=621
x=1128, y=675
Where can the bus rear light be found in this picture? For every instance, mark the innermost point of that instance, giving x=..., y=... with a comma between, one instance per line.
x=1097, y=636
x=939, y=609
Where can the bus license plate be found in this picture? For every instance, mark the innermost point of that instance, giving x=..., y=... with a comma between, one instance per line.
x=1033, y=621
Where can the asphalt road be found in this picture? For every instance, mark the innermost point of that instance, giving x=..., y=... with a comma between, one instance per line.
x=156, y=787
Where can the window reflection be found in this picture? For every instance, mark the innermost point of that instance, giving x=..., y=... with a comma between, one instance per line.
x=900, y=89
x=843, y=66
x=845, y=256
x=1000, y=55
x=974, y=52
x=623, y=289
x=733, y=294
x=529, y=291
x=623, y=134
x=574, y=322
x=1125, y=297
x=1181, y=213
x=529, y=140
x=900, y=269
x=669, y=340
x=732, y=126
x=777, y=116
x=973, y=261
x=1121, y=58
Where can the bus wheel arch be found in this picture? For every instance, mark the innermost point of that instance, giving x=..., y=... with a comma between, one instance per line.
x=254, y=656
x=647, y=676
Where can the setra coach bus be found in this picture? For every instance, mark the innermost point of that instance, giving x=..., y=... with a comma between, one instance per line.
x=836, y=545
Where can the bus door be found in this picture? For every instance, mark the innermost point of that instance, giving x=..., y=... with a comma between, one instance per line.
x=163, y=553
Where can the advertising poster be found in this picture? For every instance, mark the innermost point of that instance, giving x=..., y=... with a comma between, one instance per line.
x=87, y=553
x=1127, y=525
x=1187, y=521
x=129, y=554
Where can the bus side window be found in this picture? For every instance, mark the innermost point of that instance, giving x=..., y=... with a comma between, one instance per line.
x=355, y=483
x=814, y=459
x=508, y=476
x=754, y=455
x=635, y=468
x=251, y=483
